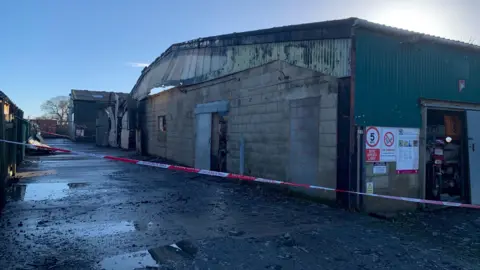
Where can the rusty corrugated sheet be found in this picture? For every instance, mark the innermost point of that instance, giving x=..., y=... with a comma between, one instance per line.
x=194, y=65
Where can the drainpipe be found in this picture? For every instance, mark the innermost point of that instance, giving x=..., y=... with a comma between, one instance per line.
x=359, y=165
x=242, y=155
x=117, y=99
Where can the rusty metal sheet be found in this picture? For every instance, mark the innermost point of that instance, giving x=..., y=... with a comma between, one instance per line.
x=194, y=65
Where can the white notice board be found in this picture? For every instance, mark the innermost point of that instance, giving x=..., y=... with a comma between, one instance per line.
x=408, y=150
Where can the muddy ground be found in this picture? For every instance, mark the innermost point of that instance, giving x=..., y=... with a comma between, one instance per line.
x=74, y=212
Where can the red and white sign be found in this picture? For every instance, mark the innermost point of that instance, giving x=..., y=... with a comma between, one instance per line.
x=372, y=139
x=372, y=155
x=388, y=149
x=380, y=144
x=388, y=139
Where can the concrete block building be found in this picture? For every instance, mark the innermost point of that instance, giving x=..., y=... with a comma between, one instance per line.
x=285, y=115
x=301, y=101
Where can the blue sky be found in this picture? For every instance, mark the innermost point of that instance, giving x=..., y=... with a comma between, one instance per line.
x=49, y=47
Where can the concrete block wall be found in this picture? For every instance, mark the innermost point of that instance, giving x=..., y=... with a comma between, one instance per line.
x=259, y=111
x=393, y=184
x=156, y=139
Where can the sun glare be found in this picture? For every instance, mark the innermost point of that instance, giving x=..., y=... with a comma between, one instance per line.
x=410, y=19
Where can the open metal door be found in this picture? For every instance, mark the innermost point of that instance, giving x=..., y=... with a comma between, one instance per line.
x=203, y=140
x=473, y=128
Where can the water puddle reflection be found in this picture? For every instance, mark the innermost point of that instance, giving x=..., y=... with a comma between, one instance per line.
x=41, y=191
x=99, y=229
x=170, y=255
x=96, y=230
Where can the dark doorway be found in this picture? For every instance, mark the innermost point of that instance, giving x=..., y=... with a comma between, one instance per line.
x=219, y=142
x=446, y=171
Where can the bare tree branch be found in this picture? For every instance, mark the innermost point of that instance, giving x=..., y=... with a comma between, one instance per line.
x=56, y=108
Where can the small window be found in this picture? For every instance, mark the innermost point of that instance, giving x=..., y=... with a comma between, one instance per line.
x=162, y=123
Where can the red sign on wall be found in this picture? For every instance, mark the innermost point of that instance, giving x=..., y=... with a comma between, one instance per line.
x=372, y=155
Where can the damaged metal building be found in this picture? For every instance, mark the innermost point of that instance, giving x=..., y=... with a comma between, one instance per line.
x=293, y=103
x=96, y=116
x=13, y=127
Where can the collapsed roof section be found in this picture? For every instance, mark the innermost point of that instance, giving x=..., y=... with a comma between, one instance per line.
x=6, y=99
x=95, y=96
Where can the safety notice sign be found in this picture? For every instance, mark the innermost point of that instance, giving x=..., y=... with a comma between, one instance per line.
x=380, y=144
x=372, y=139
x=408, y=150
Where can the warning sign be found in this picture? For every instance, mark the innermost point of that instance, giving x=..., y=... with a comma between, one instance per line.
x=373, y=136
x=380, y=144
x=372, y=155
x=369, y=187
x=388, y=149
x=388, y=139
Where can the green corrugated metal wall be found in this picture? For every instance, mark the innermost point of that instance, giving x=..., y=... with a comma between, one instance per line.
x=392, y=75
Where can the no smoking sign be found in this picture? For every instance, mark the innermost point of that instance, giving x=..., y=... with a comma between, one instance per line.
x=388, y=139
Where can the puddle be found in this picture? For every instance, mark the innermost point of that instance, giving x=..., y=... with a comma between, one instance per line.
x=40, y=191
x=99, y=229
x=96, y=230
x=170, y=255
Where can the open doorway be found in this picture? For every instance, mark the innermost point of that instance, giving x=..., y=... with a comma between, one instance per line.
x=219, y=142
x=447, y=174
x=211, y=141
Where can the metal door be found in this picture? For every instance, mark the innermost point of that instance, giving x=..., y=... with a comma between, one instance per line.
x=203, y=135
x=102, y=128
x=473, y=128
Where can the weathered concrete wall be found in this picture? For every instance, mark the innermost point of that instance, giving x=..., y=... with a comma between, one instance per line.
x=125, y=132
x=391, y=183
x=260, y=110
x=112, y=132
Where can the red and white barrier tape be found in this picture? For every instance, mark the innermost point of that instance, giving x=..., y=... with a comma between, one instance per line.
x=244, y=177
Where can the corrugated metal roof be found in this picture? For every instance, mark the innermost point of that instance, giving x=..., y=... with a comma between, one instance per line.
x=97, y=96
x=204, y=58
x=195, y=65
x=415, y=35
